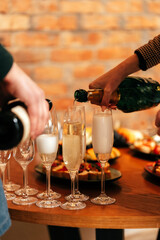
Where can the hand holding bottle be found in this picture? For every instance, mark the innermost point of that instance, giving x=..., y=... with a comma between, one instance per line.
x=17, y=84
x=110, y=81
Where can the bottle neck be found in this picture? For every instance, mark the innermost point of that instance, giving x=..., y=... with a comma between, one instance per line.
x=95, y=95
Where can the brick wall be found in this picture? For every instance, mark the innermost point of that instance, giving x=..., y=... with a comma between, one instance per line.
x=64, y=44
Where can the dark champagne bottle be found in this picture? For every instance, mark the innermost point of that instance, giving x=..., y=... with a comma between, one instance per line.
x=133, y=94
x=14, y=124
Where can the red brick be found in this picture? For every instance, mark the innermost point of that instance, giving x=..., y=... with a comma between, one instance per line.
x=62, y=103
x=4, y=6
x=135, y=6
x=48, y=6
x=14, y=22
x=114, y=53
x=89, y=71
x=117, y=6
x=49, y=22
x=54, y=89
x=142, y=22
x=48, y=72
x=5, y=39
x=28, y=56
x=153, y=6
x=99, y=22
x=94, y=38
x=67, y=22
x=81, y=39
x=68, y=55
x=81, y=6
x=35, y=39
x=20, y=6
x=123, y=37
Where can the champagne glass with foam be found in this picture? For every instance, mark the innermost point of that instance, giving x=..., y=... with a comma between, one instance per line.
x=102, y=140
x=72, y=152
x=47, y=146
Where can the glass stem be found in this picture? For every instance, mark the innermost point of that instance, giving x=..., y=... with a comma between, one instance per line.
x=76, y=183
x=73, y=176
x=102, y=179
x=8, y=171
x=48, y=182
x=25, y=181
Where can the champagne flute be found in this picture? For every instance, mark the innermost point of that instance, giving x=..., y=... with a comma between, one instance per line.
x=4, y=158
x=24, y=154
x=47, y=146
x=78, y=195
x=72, y=152
x=10, y=185
x=102, y=140
x=29, y=190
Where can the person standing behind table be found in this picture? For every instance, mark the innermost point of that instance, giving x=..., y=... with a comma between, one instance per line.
x=14, y=83
x=144, y=57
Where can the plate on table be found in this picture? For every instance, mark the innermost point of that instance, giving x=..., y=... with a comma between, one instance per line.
x=150, y=156
x=147, y=148
x=149, y=169
x=85, y=176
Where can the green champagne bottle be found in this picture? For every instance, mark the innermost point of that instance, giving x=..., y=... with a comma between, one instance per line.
x=133, y=94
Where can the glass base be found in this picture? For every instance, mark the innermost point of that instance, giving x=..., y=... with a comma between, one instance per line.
x=9, y=196
x=77, y=197
x=47, y=203
x=30, y=191
x=103, y=199
x=53, y=195
x=10, y=186
x=25, y=201
x=73, y=205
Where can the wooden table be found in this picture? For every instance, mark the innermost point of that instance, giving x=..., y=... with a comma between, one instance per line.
x=137, y=194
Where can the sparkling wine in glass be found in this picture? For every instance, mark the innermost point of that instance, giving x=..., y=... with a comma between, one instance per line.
x=47, y=146
x=72, y=152
x=24, y=154
x=78, y=195
x=102, y=140
x=4, y=158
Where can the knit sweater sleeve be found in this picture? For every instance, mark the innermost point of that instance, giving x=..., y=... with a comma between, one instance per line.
x=6, y=61
x=149, y=54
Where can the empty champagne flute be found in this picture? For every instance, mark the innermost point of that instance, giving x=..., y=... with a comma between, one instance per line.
x=78, y=195
x=72, y=152
x=47, y=146
x=10, y=185
x=4, y=158
x=24, y=154
x=102, y=140
x=29, y=190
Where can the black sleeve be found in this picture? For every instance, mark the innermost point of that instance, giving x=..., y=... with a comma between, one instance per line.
x=6, y=61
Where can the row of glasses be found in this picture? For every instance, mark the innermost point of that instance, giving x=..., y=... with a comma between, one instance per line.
x=73, y=152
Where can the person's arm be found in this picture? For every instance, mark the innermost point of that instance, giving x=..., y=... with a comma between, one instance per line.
x=143, y=58
x=17, y=84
